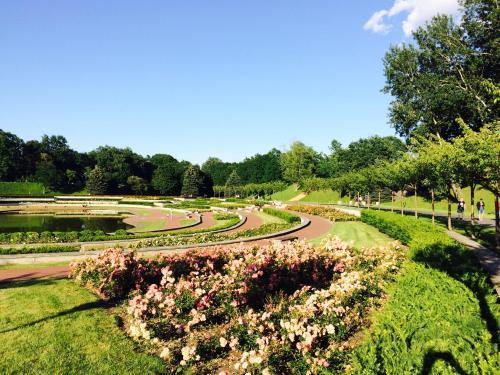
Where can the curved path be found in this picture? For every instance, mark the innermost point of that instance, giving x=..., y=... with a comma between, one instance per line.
x=318, y=227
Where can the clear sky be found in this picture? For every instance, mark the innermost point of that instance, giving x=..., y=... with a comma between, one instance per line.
x=200, y=78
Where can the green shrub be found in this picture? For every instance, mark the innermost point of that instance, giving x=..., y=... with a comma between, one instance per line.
x=287, y=216
x=441, y=314
x=39, y=249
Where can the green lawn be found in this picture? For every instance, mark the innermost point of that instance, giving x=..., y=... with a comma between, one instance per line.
x=287, y=194
x=322, y=197
x=31, y=265
x=56, y=327
x=361, y=234
x=442, y=206
x=269, y=219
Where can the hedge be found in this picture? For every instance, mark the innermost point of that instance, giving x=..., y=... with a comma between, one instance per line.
x=441, y=315
x=287, y=216
x=39, y=249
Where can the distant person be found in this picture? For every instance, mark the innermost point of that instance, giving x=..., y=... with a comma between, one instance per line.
x=461, y=209
x=480, y=209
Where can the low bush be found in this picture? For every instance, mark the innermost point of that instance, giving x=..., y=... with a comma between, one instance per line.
x=225, y=216
x=442, y=314
x=38, y=249
x=329, y=213
x=279, y=308
x=287, y=216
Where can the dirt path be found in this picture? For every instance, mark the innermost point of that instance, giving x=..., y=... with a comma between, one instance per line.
x=253, y=221
x=33, y=273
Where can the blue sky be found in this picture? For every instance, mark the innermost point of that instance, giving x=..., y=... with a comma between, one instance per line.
x=200, y=78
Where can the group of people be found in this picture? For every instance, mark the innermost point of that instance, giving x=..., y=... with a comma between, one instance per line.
x=461, y=209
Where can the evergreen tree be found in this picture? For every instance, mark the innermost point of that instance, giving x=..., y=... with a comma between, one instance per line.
x=233, y=182
x=192, y=183
x=96, y=181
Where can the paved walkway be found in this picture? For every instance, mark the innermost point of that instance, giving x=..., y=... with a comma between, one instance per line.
x=488, y=258
x=317, y=228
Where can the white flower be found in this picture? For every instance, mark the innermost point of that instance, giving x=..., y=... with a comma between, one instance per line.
x=223, y=342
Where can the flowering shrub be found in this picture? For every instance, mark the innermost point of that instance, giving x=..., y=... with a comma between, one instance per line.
x=329, y=213
x=279, y=308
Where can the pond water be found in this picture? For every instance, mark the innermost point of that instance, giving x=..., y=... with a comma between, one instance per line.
x=38, y=223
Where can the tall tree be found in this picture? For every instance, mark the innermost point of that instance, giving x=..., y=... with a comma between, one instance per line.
x=96, y=181
x=167, y=174
x=192, y=184
x=11, y=156
x=446, y=74
x=299, y=162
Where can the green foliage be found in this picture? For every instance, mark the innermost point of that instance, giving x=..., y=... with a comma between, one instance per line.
x=167, y=175
x=441, y=76
x=96, y=181
x=21, y=188
x=441, y=314
x=298, y=163
x=287, y=216
x=38, y=249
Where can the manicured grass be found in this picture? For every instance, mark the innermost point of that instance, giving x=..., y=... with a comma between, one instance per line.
x=21, y=188
x=361, y=234
x=287, y=194
x=322, y=196
x=185, y=222
x=442, y=206
x=441, y=315
x=269, y=219
x=56, y=327
x=31, y=265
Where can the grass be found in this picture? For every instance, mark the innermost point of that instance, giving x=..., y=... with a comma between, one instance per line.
x=322, y=196
x=56, y=327
x=31, y=265
x=185, y=222
x=361, y=234
x=269, y=219
x=441, y=314
x=287, y=194
x=21, y=188
x=442, y=206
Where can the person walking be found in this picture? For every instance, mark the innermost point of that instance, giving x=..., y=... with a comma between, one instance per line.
x=461, y=209
x=480, y=209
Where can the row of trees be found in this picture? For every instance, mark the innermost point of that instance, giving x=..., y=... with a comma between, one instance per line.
x=434, y=168
x=121, y=171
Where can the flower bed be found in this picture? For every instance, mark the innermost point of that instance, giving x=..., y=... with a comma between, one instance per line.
x=329, y=213
x=280, y=308
x=287, y=216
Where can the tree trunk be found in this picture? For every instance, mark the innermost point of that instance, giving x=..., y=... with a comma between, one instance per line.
x=433, y=207
x=416, y=211
x=497, y=222
x=402, y=212
x=369, y=200
x=349, y=201
x=449, y=213
x=379, y=200
x=472, y=188
x=392, y=201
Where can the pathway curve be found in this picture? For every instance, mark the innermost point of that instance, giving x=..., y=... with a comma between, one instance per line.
x=488, y=258
x=318, y=227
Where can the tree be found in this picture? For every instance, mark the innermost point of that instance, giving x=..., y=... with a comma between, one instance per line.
x=96, y=181
x=11, y=156
x=137, y=184
x=117, y=164
x=192, y=184
x=218, y=170
x=167, y=174
x=446, y=74
x=299, y=162
x=233, y=182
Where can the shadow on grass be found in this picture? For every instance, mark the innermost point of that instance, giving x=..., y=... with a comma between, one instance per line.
x=459, y=263
x=24, y=280
x=431, y=357
x=79, y=308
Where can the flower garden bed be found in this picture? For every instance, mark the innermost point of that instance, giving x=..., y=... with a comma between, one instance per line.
x=329, y=213
x=279, y=308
